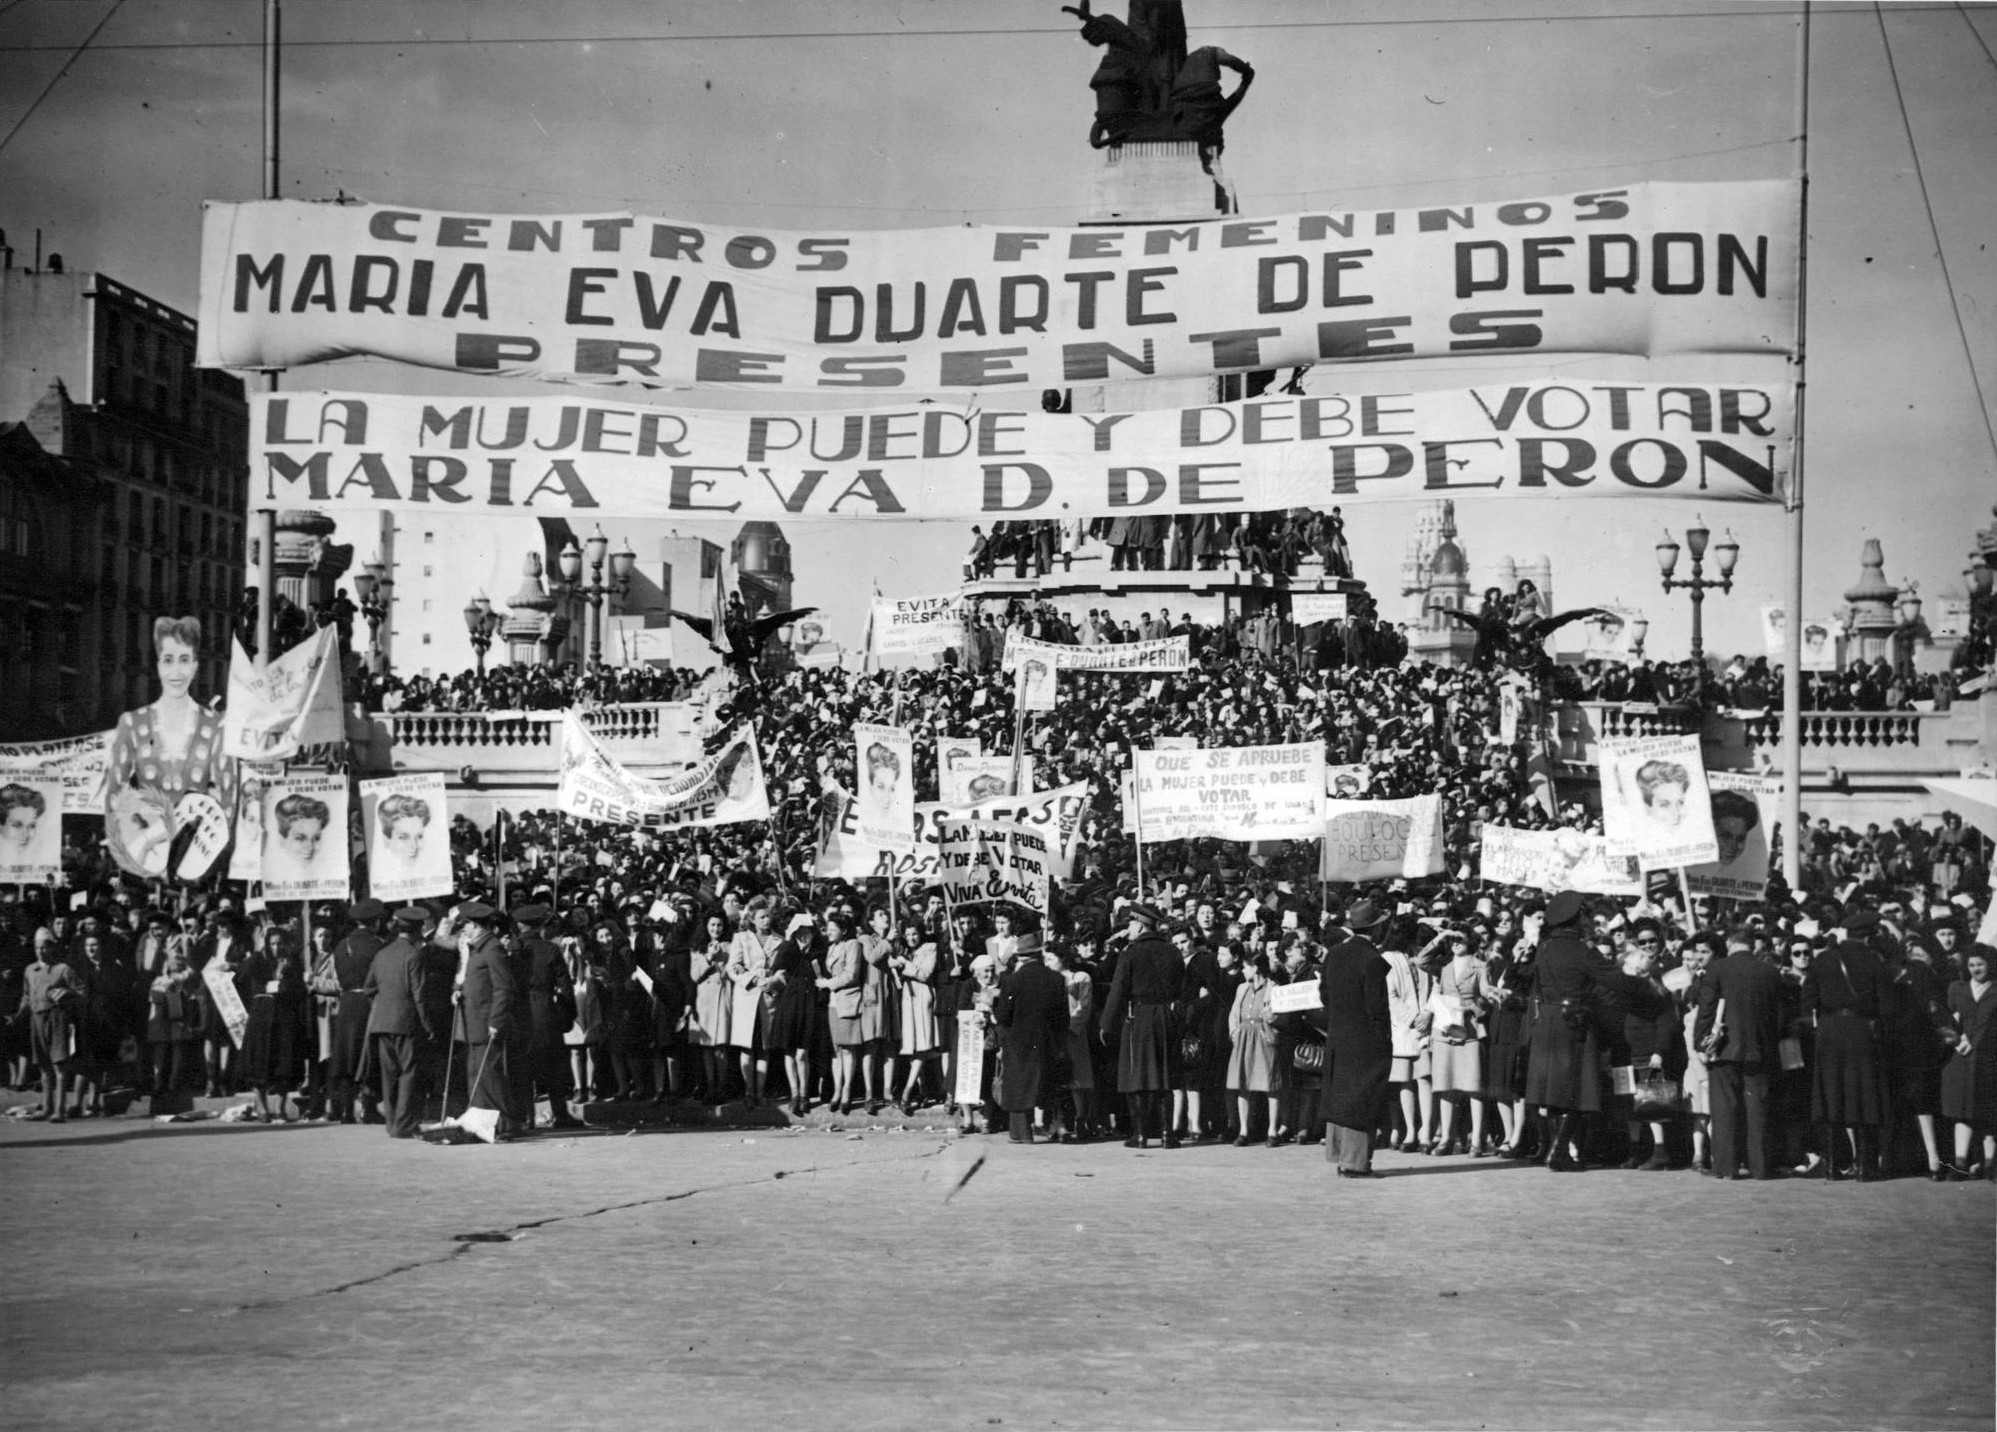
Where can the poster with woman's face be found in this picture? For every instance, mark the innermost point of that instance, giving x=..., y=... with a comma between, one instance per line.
x=305, y=839
x=30, y=826
x=1655, y=803
x=407, y=830
x=884, y=763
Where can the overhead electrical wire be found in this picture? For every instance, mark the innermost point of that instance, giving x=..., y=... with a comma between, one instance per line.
x=28, y=113
x=1934, y=229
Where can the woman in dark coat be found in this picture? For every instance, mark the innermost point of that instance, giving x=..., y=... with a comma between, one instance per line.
x=1843, y=990
x=1917, y=1036
x=1149, y=979
x=1564, y=1077
x=1969, y=1083
x=662, y=951
x=1031, y=1011
x=271, y=1060
x=1652, y=1042
x=1358, y=1043
x=793, y=1003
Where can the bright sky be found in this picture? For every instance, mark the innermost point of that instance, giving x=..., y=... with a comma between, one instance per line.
x=909, y=113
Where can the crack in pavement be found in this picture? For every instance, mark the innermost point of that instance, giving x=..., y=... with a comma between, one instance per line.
x=774, y=1176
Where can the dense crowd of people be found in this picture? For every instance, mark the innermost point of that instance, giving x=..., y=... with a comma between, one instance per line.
x=1274, y=543
x=585, y=962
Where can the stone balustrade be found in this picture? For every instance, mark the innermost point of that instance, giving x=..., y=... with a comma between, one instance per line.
x=643, y=735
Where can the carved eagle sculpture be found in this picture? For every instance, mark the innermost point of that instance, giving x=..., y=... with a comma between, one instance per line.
x=1520, y=646
x=742, y=641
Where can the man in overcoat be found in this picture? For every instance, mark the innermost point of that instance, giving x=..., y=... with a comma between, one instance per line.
x=1148, y=979
x=551, y=995
x=347, y=1067
x=399, y=1026
x=494, y=1023
x=1358, y=1042
x=1031, y=1010
x=1740, y=997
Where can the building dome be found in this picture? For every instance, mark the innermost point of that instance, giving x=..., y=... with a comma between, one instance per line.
x=1448, y=560
x=761, y=547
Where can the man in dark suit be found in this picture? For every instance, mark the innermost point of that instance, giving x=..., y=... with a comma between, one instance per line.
x=1564, y=1077
x=493, y=1015
x=1031, y=1009
x=399, y=1027
x=1148, y=978
x=1742, y=1038
x=1358, y=1042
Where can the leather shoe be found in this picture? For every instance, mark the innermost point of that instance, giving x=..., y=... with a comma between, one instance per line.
x=1172, y=1141
x=1133, y=1143
x=1357, y=1173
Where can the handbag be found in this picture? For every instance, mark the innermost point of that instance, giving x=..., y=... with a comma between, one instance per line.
x=1658, y=1096
x=1307, y=1058
x=1192, y=1050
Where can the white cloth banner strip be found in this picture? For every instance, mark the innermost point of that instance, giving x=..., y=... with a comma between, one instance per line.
x=276, y=711
x=79, y=761
x=1165, y=653
x=1556, y=860
x=1310, y=608
x=1232, y=793
x=1645, y=268
x=587, y=457
x=918, y=626
x=725, y=788
x=844, y=855
x=1382, y=840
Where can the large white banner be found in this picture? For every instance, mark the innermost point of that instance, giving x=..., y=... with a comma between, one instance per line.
x=1645, y=268
x=1018, y=863
x=918, y=626
x=406, y=822
x=1654, y=801
x=845, y=855
x=884, y=763
x=305, y=838
x=1165, y=653
x=277, y=710
x=1745, y=809
x=30, y=824
x=724, y=788
x=1232, y=793
x=78, y=761
x=1556, y=860
x=590, y=458
x=1382, y=840
x=1311, y=608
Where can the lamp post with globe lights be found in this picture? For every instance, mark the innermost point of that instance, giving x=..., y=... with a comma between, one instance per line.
x=571, y=561
x=1725, y=555
x=1907, y=631
x=481, y=621
x=375, y=589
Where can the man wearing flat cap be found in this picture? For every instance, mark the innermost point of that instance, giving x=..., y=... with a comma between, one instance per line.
x=493, y=1017
x=1358, y=1042
x=1148, y=979
x=1564, y=1077
x=399, y=1026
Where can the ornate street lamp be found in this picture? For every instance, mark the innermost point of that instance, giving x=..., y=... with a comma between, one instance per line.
x=481, y=621
x=1725, y=555
x=1638, y=630
x=376, y=589
x=571, y=561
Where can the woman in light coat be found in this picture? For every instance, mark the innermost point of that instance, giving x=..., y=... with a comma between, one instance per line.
x=1253, y=1070
x=846, y=979
x=750, y=963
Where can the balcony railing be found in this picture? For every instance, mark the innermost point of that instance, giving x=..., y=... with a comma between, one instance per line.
x=1863, y=729
x=650, y=734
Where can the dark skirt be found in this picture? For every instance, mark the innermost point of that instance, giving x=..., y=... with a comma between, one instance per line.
x=1969, y=1087
x=1845, y=1087
x=1147, y=1058
x=1505, y=1055
x=668, y=1024
x=350, y=1040
x=790, y=1015
x=270, y=1044
x=1200, y=1058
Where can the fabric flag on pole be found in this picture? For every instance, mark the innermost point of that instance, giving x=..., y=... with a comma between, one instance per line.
x=293, y=703
x=725, y=788
x=1382, y=840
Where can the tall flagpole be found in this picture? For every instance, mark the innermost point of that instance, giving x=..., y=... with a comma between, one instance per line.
x=1792, y=667
x=266, y=518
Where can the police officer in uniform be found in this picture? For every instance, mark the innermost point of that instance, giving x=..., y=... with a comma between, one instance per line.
x=1148, y=979
x=347, y=1068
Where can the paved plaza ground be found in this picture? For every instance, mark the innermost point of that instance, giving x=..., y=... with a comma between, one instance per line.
x=211, y=1276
